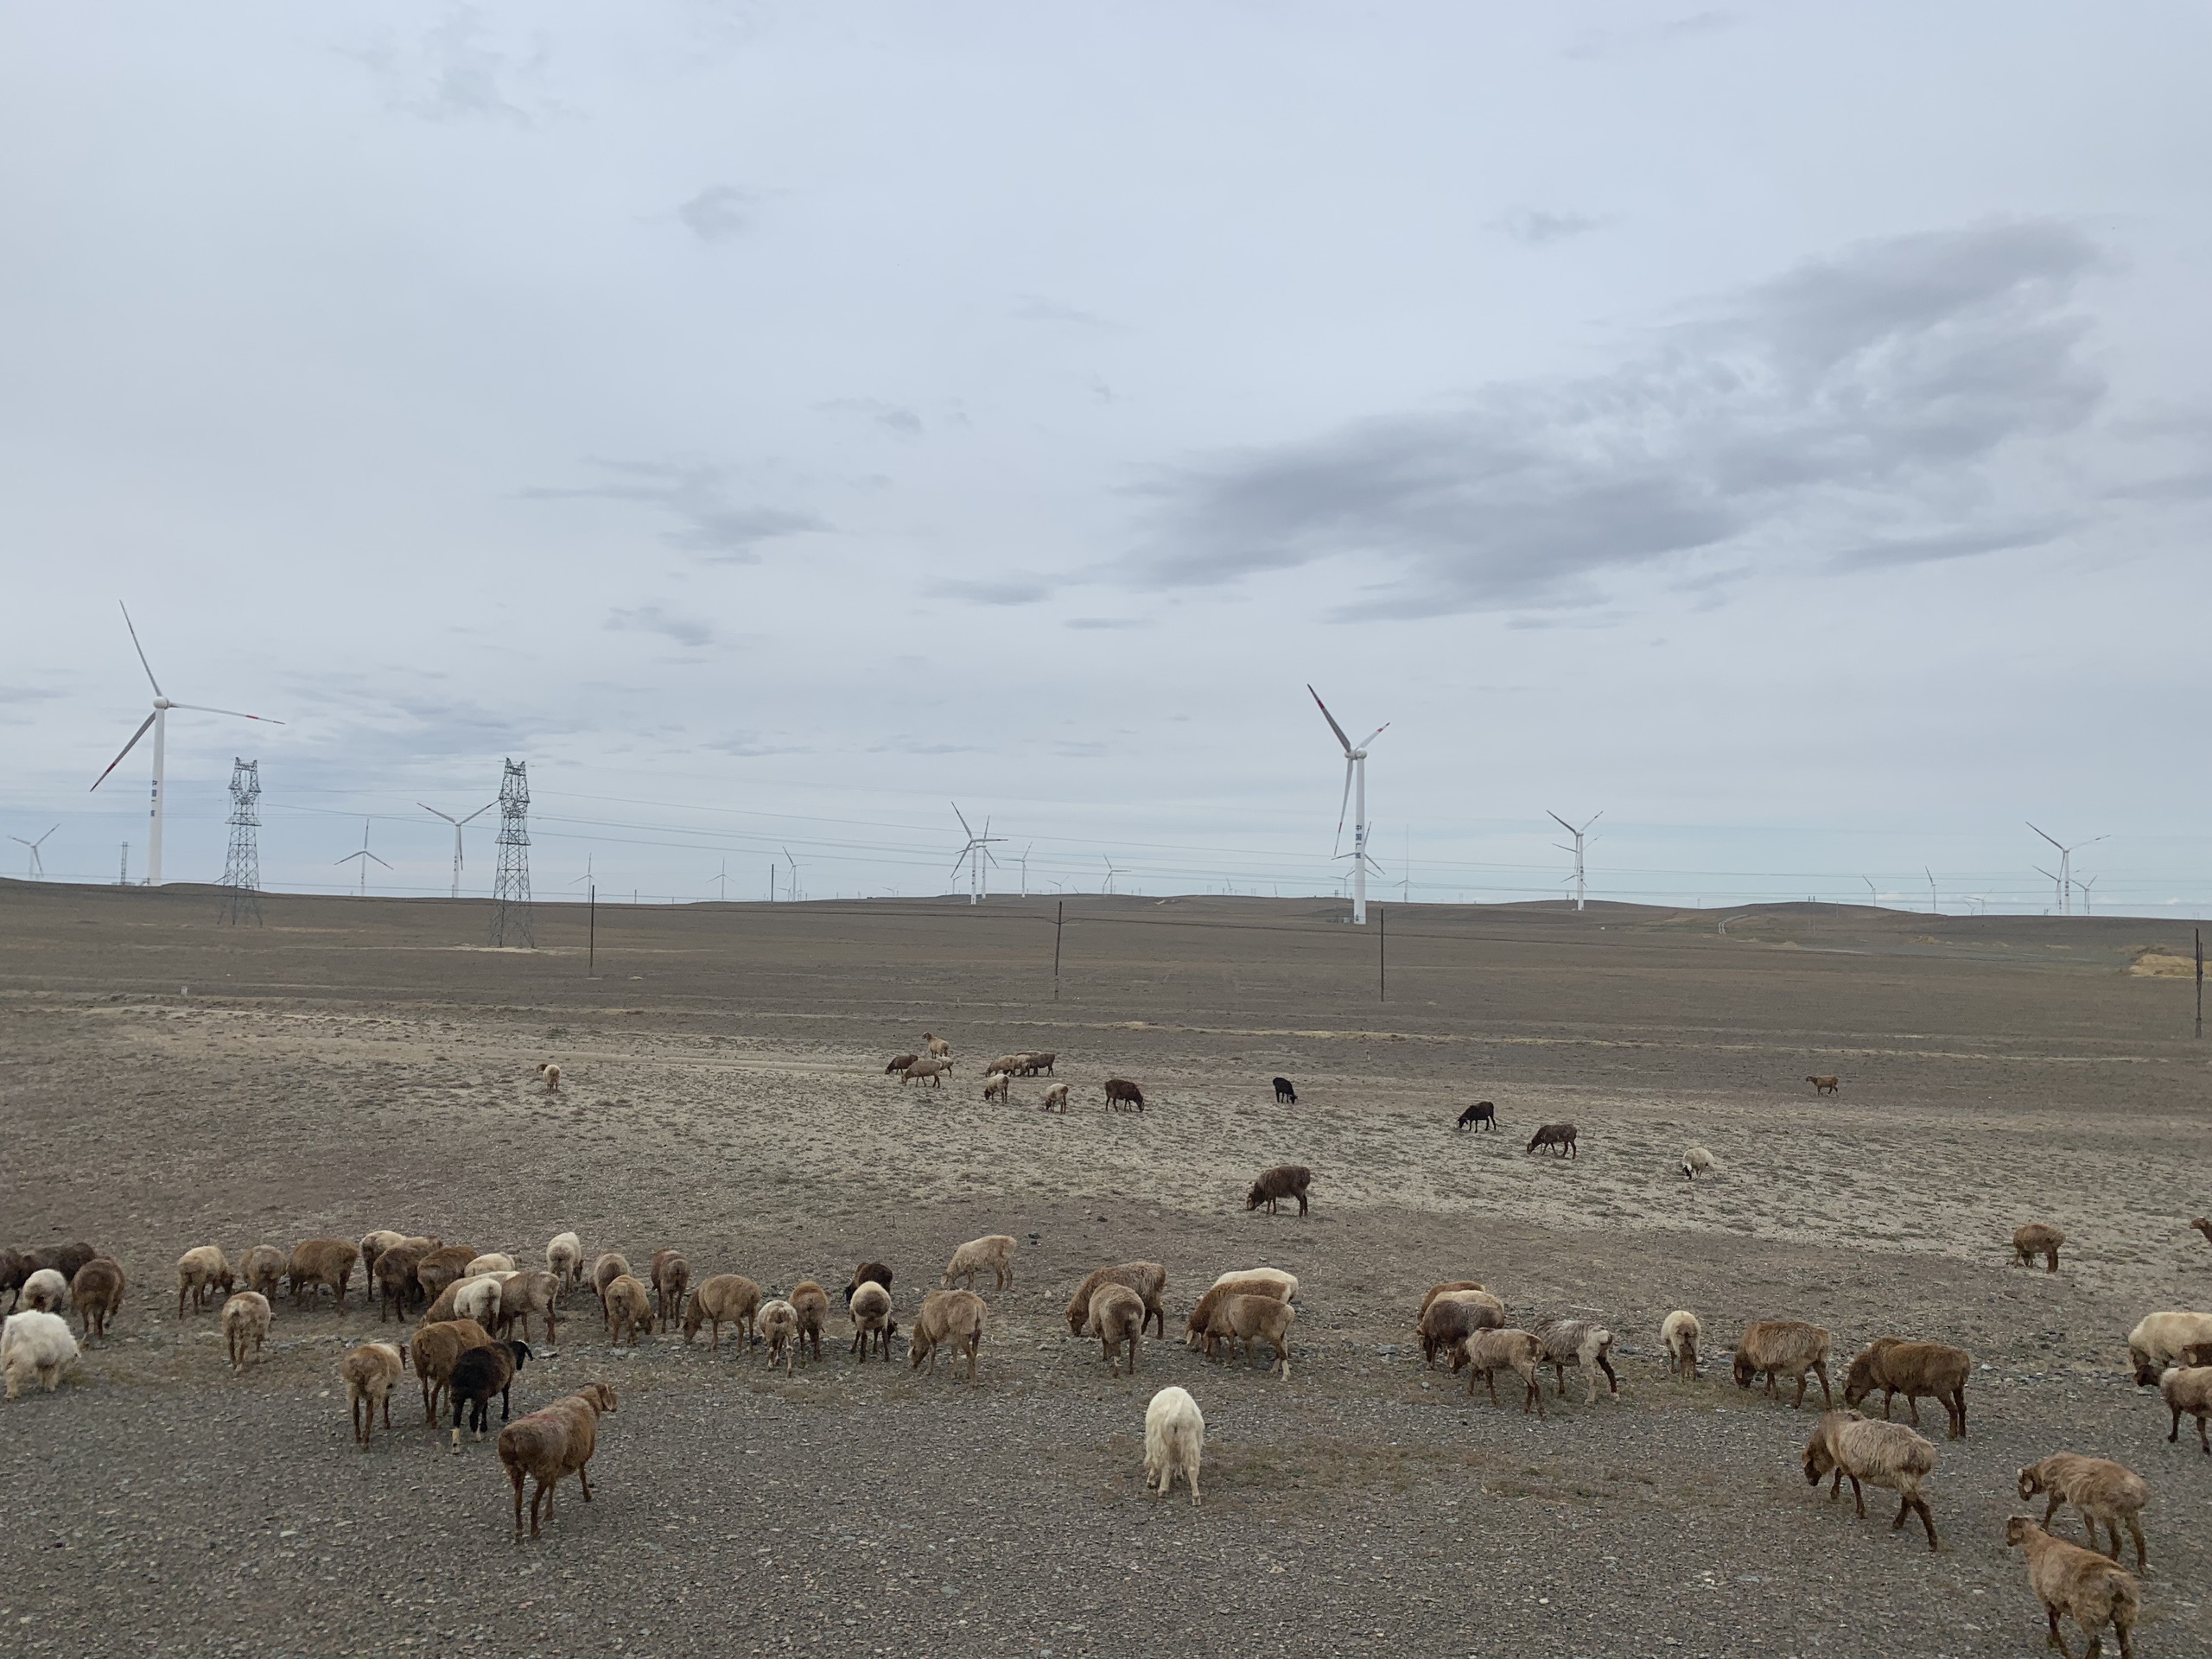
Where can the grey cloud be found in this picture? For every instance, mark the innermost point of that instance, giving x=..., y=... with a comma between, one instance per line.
x=1948, y=544
x=452, y=72
x=1864, y=400
x=1034, y=308
x=895, y=418
x=1537, y=229
x=1604, y=44
x=1014, y=589
x=1108, y=622
x=653, y=618
x=706, y=521
x=717, y=213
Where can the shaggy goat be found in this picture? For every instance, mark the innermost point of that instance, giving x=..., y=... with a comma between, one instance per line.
x=929, y=1071
x=477, y=1376
x=612, y=1265
x=629, y=1304
x=1448, y=1286
x=1118, y=1315
x=2187, y=1391
x=995, y=1253
x=1584, y=1344
x=1485, y=1353
x=551, y=1073
x=778, y=1323
x=245, y=1318
x=899, y=1063
x=1120, y=1092
x=2158, y=1339
x=564, y=1259
x=1274, y=1185
x=2037, y=1238
x=64, y=1259
x=549, y=1443
x=36, y=1343
x=1253, y=1320
x=1679, y=1333
x=873, y=1326
x=811, y=1303
x=1827, y=1085
x=1912, y=1369
x=1148, y=1279
x=521, y=1294
x=1560, y=1136
x=938, y=1048
x=997, y=1086
x=396, y=1286
x=200, y=1274
x=1174, y=1441
x=1784, y=1348
x=2101, y=1490
x=950, y=1318
x=96, y=1295
x=490, y=1261
x=368, y=1370
x=1251, y=1284
x=321, y=1264
x=2080, y=1583
x=1844, y=1444
x=435, y=1273
x=477, y=1298
x=15, y=1268
x=723, y=1298
x=1481, y=1115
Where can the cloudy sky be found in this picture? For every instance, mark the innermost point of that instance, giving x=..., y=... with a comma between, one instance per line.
x=1787, y=431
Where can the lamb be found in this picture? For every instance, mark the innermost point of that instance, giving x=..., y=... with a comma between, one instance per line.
x=477, y=1376
x=1487, y=1352
x=1452, y=1317
x=1120, y=1092
x=873, y=1326
x=245, y=1318
x=1283, y=1181
x=604, y=1272
x=2080, y=1583
x=321, y=1264
x=437, y=1349
x=1558, y=1135
x=1784, y=1348
x=2188, y=1388
x=1827, y=1085
x=929, y=1071
x=812, y=1304
x=368, y=1370
x=396, y=1284
x=199, y=1273
x=1286, y=1094
x=1118, y=1315
x=564, y=1259
x=1481, y=1115
x=995, y=1253
x=36, y=1343
x=1056, y=1098
x=96, y=1295
x=374, y=1245
x=899, y=1063
x=937, y=1047
x=549, y=1443
x=1229, y=1285
x=1698, y=1162
x=2037, y=1238
x=671, y=1277
x=490, y=1261
x=1174, y=1441
x=1678, y=1334
x=629, y=1304
x=867, y=1273
x=997, y=1086
x=261, y=1268
x=521, y=1294
x=1844, y=1444
x=779, y=1325
x=551, y=1073
x=477, y=1298
x=951, y=1319
x=1582, y=1343
x=1253, y=1320
x=726, y=1298
x=2156, y=1342
x=2101, y=1490
x=1148, y=1279
x=45, y=1292
x=1912, y=1369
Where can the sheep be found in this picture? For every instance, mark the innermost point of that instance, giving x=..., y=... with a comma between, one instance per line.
x=477, y=1298
x=2188, y=1388
x=1008, y=1064
x=396, y=1284
x=629, y=1304
x=1912, y=1369
x=1288, y=1281
x=199, y=1273
x=1040, y=1060
x=438, y=1270
x=368, y=1370
x=1118, y=1315
x=779, y=1325
x=1485, y=1353
x=1824, y=1086
x=951, y=1319
x=1452, y=1317
x=995, y=1253
x=1253, y=1320
x=1678, y=1334
x=2203, y=1226
x=1120, y=1092
x=245, y=1318
x=490, y=1261
x=610, y=1266
x=564, y=1259
x=437, y=1350
x=1286, y=1092
x=374, y=1244
x=929, y=1071
x=867, y=1273
x=45, y=1292
x=1148, y=1279
x=556, y=1441
x=671, y=1277
x=1845, y=1445
x=260, y=1269
x=727, y=1298
x=1194, y=1329
x=477, y=1376
x=551, y=1073
x=96, y=1295
x=997, y=1086
x=1698, y=1162
x=937, y=1047
x=1558, y=1136
x=1784, y=1348
x=2101, y=1490
x=1581, y=1343
x=899, y=1063
x=1447, y=1286
x=1174, y=1441
x=812, y=1304
x=2157, y=1342
x=1056, y=1098
x=36, y=1343
x=873, y=1326
x=1283, y=1181
x=1481, y=1115
x=448, y=1304
x=15, y=1268
x=521, y=1294
x=2080, y=1583
x=2037, y=1238
x=64, y=1259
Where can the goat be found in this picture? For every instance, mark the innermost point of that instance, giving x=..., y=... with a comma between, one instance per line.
x=564, y=1259
x=1148, y=1279
x=671, y=1277
x=1827, y=1085
x=2080, y=1583
x=612, y=1265
x=1481, y=1115
x=929, y=1071
x=2100, y=1489
x=200, y=1272
x=1583, y=1344
x=778, y=1323
x=396, y=1283
x=1679, y=1333
x=2187, y=1391
x=899, y=1063
x=811, y=1303
x=245, y=1318
x=436, y=1350
x=1228, y=1285
x=1120, y=1092
x=96, y=1295
x=873, y=1326
x=556, y=1441
x=1253, y=1320
x=1487, y=1352
x=1283, y=1181
x=551, y=1073
x=629, y=1304
x=521, y=1294
x=1698, y=1162
x=261, y=1268
x=1285, y=1095
x=319, y=1263
x=2158, y=1340
x=1844, y=1444
x=1042, y=1060
x=45, y=1291
x=877, y=1273
x=1451, y=1316
x=1118, y=1315
x=998, y=1086
x=1912, y=1369
x=36, y=1343
x=938, y=1048
x=436, y=1272
x=1056, y=1098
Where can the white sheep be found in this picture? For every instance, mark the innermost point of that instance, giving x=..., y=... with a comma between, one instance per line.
x=45, y=1291
x=1174, y=1441
x=2154, y=1344
x=1848, y=1446
x=778, y=1323
x=490, y=1261
x=551, y=1073
x=1056, y=1098
x=1679, y=1333
x=1698, y=1162
x=36, y=1343
x=564, y=1260
x=478, y=1298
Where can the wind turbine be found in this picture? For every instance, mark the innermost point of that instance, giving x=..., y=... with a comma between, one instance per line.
x=2065, y=877
x=1025, y=867
x=2054, y=888
x=159, y=719
x=364, y=855
x=723, y=877
x=1110, y=873
x=2085, y=886
x=1355, y=773
x=1930, y=875
x=793, y=862
x=1576, y=850
x=456, y=823
x=35, y=866
x=976, y=855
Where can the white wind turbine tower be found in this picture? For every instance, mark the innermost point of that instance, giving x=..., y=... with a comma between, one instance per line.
x=788, y=859
x=159, y=719
x=976, y=855
x=364, y=855
x=2065, y=876
x=1579, y=884
x=456, y=823
x=1355, y=778
x=34, y=866
x=1025, y=867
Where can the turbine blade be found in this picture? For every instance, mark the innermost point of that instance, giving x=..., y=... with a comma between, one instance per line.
x=433, y=811
x=1332, y=719
x=139, y=649
x=963, y=817
x=1343, y=806
x=2048, y=838
x=127, y=747
x=480, y=813
x=202, y=709
x=1558, y=820
x=366, y=854
x=1376, y=733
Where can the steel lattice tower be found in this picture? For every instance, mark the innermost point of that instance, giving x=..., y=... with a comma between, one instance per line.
x=242, y=867
x=510, y=919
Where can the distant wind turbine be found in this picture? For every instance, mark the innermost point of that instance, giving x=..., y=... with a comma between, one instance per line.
x=363, y=856
x=793, y=862
x=456, y=823
x=1110, y=873
x=1576, y=850
x=2083, y=887
x=1355, y=778
x=35, y=868
x=2065, y=877
x=1025, y=867
x=976, y=855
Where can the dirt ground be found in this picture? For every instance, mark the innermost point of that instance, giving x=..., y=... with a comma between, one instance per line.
x=166, y=1082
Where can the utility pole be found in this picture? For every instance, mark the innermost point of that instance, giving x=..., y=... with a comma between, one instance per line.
x=1060, y=920
x=242, y=867
x=1382, y=954
x=591, y=936
x=2200, y=983
x=511, y=908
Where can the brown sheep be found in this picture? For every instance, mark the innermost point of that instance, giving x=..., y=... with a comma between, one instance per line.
x=724, y=1298
x=1452, y=1317
x=629, y=1304
x=811, y=1303
x=952, y=1320
x=868, y=1272
x=396, y=1286
x=2080, y=1583
x=370, y=1370
x=1117, y=1315
x=1485, y=1353
x=2203, y=1226
x=1558, y=1136
x=2037, y=1238
x=96, y=1295
x=2101, y=1490
x=321, y=1264
x=521, y=1294
x=1253, y=1320
x=1844, y=1444
x=1437, y=1290
x=780, y=1328
x=671, y=1277
x=436, y=1350
x=549, y=1443
x=441, y=1267
x=15, y=1268
x=245, y=1318
x=1148, y=1279
x=1043, y=1060
x=604, y=1272
x=873, y=1326
x=1120, y=1092
x=1194, y=1329
x=551, y=1073
x=929, y=1071
x=200, y=1274
x=374, y=1244
x=64, y=1259
x=2187, y=1390
x=1283, y=1181
x=1912, y=1369
x=1827, y=1085
x=1784, y=1348
x=899, y=1063
x=995, y=1253
x=937, y=1047
x=261, y=1268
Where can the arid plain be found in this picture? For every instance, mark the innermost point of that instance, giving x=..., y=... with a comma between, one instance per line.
x=166, y=1082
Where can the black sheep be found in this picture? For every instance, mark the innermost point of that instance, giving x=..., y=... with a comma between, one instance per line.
x=1480, y=1113
x=477, y=1376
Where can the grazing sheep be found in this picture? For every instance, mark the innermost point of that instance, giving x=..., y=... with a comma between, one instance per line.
x=779, y=1325
x=245, y=1318
x=1824, y=1086
x=1912, y=1369
x=877, y=1273
x=1285, y=1095
x=2188, y=1389
x=1120, y=1092
x=448, y=1304
x=36, y=1343
x=1485, y=1353
x=2101, y=1490
x=723, y=1298
x=1040, y=1060
x=476, y=1298
x=199, y=1273
x=15, y=1268
x=374, y=1244
x=96, y=1295
x=1287, y=1281
x=1452, y=1316
x=1148, y=1279
x=64, y=1259
x=1679, y=1333
x=1251, y=1284
x=477, y=1376
x=671, y=1277
x=1845, y=1445
x=2203, y=1226
x=995, y=1253
x=1784, y=1348
x=2157, y=1342
x=437, y=1350
x=1558, y=1136
x=1283, y=1181
x=997, y=1086
x=260, y=1269
x=437, y=1271
x=45, y=1291
x=2037, y=1238
x=1448, y=1286
x=1481, y=1115
x=549, y=1443
x=368, y=1370
x=812, y=1304
x=1008, y=1064
x=873, y=1326
x=490, y=1261
x=1056, y=1098
x=610, y=1266
x=397, y=1288
x=2088, y=1589
x=929, y=1071
x=521, y=1294
x=1253, y=1320
x=629, y=1304
x=1584, y=1344
x=1117, y=1315
x=937, y=1047
x=551, y=1073
x=1698, y=1162
x=951, y=1319
x=1174, y=1441
x=564, y=1260
x=899, y=1063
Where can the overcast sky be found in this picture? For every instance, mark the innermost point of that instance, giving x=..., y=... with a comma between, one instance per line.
x=1786, y=430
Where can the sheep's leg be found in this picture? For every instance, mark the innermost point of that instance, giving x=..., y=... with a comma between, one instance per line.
x=514, y=1474
x=1799, y=1400
x=1612, y=1378
x=1828, y=1400
x=1858, y=1496
x=583, y=1479
x=2135, y=1527
x=2174, y=1433
x=1835, y=1486
x=2200, y=1440
x=2055, y=1640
